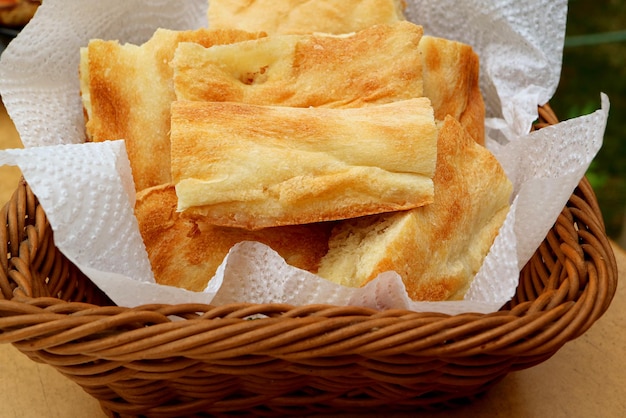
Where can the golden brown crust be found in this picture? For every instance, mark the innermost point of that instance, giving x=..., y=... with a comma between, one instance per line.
x=296, y=166
x=451, y=82
x=306, y=70
x=299, y=16
x=437, y=249
x=127, y=91
x=186, y=254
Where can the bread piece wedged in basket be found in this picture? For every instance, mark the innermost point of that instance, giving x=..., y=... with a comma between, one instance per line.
x=436, y=249
x=186, y=254
x=253, y=167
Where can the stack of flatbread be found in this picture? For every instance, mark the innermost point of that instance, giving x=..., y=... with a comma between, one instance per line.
x=351, y=146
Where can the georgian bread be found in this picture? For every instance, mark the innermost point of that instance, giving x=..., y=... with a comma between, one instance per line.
x=437, y=249
x=300, y=16
x=379, y=64
x=451, y=82
x=186, y=254
x=127, y=91
x=254, y=166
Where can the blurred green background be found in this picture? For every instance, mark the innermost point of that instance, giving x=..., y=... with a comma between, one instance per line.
x=594, y=61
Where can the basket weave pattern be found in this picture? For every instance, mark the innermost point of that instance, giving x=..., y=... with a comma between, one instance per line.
x=200, y=360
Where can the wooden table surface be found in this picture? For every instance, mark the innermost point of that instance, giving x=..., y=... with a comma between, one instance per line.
x=586, y=378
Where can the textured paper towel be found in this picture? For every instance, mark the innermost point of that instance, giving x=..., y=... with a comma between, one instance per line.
x=520, y=47
x=39, y=83
x=520, y=44
x=88, y=196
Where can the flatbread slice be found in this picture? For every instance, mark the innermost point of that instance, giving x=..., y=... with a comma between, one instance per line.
x=436, y=249
x=186, y=254
x=300, y=16
x=253, y=167
x=451, y=81
x=377, y=65
x=127, y=90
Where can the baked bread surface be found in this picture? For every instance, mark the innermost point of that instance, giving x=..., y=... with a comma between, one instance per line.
x=437, y=249
x=376, y=65
x=303, y=16
x=253, y=167
x=451, y=81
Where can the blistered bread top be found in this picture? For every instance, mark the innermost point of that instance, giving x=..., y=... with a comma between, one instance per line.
x=253, y=167
x=379, y=64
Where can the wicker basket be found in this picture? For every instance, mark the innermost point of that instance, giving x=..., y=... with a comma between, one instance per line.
x=199, y=360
